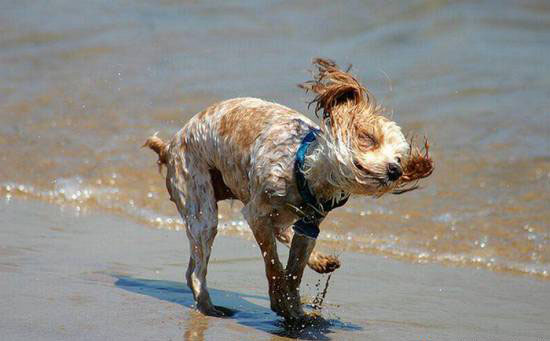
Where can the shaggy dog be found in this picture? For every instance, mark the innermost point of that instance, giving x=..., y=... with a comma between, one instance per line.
x=287, y=172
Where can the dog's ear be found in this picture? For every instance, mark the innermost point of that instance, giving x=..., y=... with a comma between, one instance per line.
x=418, y=165
x=333, y=88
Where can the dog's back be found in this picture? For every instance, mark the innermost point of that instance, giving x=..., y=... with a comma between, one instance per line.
x=248, y=144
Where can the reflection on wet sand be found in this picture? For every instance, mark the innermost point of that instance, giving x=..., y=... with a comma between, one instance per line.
x=195, y=326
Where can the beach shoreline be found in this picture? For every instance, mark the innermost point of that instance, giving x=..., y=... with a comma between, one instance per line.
x=69, y=276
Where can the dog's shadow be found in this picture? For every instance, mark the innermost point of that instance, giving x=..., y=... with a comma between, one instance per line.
x=246, y=313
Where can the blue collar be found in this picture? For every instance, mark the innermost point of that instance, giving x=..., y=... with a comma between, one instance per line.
x=313, y=212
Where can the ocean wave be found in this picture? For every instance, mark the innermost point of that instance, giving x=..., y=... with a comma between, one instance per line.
x=84, y=197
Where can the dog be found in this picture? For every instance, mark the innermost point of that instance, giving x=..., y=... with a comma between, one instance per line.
x=287, y=171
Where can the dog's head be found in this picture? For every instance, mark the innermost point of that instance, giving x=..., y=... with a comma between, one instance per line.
x=366, y=152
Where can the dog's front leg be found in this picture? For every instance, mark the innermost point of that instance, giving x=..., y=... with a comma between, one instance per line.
x=275, y=273
x=319, y=262
x=284, y=302
x=300, y=251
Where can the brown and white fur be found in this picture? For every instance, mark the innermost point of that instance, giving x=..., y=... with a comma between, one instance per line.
x=245, y=149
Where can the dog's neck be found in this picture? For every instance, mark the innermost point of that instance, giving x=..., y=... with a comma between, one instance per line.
x=318, y=172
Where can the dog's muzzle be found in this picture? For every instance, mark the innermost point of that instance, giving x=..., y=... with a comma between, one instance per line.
x=394, y=171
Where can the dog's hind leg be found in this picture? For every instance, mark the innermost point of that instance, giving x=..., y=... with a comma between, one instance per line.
x=190, y=187
x=317, y=261
x=200, y=245
x=190, y=269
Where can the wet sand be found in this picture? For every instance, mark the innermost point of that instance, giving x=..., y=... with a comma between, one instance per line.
x=72, y=276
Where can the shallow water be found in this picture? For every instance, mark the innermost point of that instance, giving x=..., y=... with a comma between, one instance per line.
x=82, y=84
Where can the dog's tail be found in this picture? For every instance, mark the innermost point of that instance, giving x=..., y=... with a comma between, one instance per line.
x=160, y=147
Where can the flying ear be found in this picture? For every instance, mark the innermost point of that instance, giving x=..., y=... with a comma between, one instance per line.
x=419, y=165
x=334, y=87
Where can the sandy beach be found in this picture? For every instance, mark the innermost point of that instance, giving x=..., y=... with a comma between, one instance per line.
x=68, y=276
x=91, y=248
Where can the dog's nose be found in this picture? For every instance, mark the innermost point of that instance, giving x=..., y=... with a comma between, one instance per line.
x=394, y=171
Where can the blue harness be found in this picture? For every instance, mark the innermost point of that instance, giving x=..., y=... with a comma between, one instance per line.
x=312, y=211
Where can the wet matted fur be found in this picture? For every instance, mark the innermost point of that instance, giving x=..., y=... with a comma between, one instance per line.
x=245, y=148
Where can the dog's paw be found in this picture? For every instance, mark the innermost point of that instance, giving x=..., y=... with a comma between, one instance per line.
x=277, y=302
x=289, y=310
x=227, y=312
x=323, y=263
x=286, y=304
x=216, y=311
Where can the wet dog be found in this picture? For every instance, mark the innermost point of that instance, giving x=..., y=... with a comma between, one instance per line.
x=287, y=171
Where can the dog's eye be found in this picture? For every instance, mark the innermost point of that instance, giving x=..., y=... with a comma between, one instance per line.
x=367, y=140
x=398, y=159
